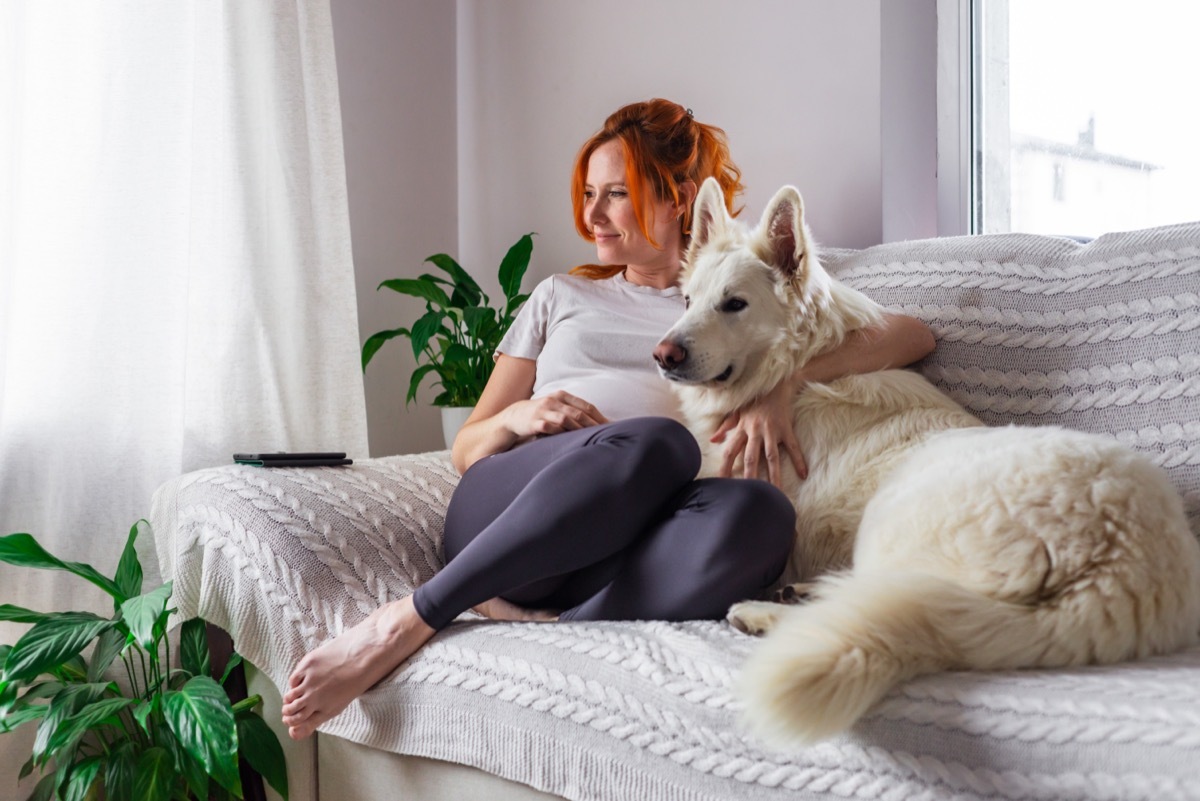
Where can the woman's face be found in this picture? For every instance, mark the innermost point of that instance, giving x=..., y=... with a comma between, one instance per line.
x=609, y=215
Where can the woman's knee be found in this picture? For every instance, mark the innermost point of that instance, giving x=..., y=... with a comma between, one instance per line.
x=662, y=445
x=759, y=512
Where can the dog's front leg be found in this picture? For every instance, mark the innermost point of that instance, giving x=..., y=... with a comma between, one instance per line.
x=754, y=617
x=759, y=617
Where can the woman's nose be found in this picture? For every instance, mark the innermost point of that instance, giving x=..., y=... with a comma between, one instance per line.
x=592, y=212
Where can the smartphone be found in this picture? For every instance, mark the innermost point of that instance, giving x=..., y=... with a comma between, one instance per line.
x=297, y=459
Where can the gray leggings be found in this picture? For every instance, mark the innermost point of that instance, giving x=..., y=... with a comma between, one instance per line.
x=608, y=523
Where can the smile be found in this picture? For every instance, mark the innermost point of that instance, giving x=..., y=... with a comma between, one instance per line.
x=725, y=375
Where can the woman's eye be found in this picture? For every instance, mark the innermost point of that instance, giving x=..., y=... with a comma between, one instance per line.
x=617, y=193
x=733, y=305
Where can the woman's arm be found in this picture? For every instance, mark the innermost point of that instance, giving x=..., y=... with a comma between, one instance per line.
x=765, y=427
x=898, y=341
x=506, y=415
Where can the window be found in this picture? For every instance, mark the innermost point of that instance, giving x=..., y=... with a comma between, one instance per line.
x=1084, y=116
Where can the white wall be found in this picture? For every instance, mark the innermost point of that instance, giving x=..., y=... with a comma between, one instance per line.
x=462, y=121
x=794, y=83
x=396, y=80
x=908, y=130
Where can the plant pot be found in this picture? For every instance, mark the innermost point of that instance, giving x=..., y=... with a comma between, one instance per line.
x=453, y=418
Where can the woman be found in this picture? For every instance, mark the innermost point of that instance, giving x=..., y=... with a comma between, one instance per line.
x=578, y=490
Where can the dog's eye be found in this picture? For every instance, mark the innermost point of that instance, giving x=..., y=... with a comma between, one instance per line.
x=687, y=302
x=733, y=305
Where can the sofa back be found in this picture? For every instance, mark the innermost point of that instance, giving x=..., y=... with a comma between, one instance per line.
x=1036, y=330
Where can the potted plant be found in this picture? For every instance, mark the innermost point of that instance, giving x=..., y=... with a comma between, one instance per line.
x=457, y=335
x=170, y=733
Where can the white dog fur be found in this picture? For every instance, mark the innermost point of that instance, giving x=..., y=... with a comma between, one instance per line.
x=939, y=543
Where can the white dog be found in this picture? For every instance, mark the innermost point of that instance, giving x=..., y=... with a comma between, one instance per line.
x=940, y=543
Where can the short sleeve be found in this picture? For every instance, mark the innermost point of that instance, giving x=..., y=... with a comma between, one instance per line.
x=527, y=335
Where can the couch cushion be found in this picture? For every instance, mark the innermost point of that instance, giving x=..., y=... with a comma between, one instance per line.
x=1037, y=330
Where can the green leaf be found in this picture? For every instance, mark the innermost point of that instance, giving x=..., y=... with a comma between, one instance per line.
x=457, y=362
x=73, y=669
x=154, y=775
x=375, y=342
x=83, y=774
x=202, y=720
x=23, y=550
x=63, y=707
x=235, y=659
x=98, y=713
x=512, y=268
x=52, y=642
x=193, y=772
x=480, y=323
x=44, y=791
x=467, y=292
x=259, y=746
x=19, y=717
x=43, y=689
x=415, y=381
x=435, y=279
x=145, y=709
x=121, y=771
x=193, y=647
x=8, y=695
x=424, y=329
x=109, y=646
x=19, y=614
x=16, y=711
x=128, y=577
x=510, y=309
x=426, y=290
x=142, y=615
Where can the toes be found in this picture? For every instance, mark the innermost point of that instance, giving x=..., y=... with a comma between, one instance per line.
x=296, y=680
x=295, y=711
x=301, y=730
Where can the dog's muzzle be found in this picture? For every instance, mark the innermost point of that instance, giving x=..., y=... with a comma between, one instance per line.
x=670, y=356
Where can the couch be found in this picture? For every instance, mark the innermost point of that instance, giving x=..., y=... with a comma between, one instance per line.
x=1102, y=336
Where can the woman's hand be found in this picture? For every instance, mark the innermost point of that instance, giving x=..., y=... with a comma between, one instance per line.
x=764, y=427
x=551, y=414
x=760, y=431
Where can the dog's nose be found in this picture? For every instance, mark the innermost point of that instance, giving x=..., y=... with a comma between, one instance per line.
x=669, y=355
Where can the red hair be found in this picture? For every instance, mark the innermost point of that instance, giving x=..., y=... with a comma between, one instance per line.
x=664, y=148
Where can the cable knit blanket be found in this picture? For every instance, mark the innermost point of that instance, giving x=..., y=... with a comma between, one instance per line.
x=1033, y=330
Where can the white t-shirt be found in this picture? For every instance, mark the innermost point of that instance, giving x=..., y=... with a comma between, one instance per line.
x=595, y=339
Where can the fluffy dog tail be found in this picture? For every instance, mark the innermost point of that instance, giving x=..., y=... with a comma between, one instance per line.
x=827, y=662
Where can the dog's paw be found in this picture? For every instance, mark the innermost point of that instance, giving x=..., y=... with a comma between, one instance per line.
x=796, y=593
x=754, y=617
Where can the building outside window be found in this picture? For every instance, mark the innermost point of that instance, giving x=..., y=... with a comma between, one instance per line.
x=1084, y=115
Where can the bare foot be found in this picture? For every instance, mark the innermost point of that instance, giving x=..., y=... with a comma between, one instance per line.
x=500, y=609
x=327, y=679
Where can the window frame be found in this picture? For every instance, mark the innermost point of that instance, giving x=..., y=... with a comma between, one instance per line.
x=956, y=122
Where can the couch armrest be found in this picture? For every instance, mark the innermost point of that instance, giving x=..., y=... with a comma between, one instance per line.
x=284, y=558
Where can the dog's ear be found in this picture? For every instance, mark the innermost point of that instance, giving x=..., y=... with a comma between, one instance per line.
x=709, y=215
x=784, y=237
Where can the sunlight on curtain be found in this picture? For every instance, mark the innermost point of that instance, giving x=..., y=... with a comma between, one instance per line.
x=175, y=272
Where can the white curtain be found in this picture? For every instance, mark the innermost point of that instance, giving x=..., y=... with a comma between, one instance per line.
x=175, y=272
